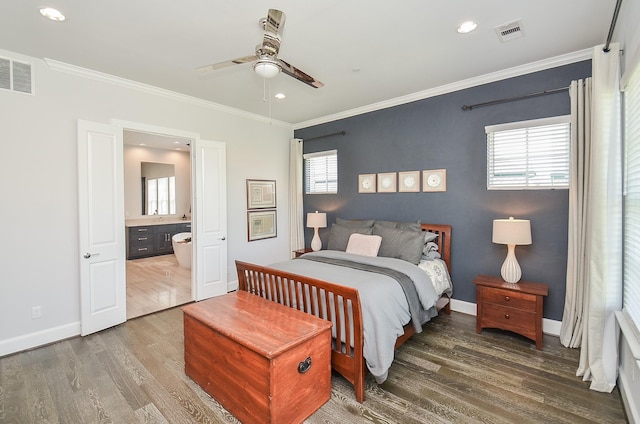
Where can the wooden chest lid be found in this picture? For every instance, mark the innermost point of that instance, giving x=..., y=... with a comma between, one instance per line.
x=263, y=326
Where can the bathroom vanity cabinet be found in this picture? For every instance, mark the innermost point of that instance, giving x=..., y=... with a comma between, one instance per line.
x=153, y=240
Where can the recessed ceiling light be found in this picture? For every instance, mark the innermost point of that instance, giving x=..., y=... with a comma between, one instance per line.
x=53, y=14
x=466, y=27
x=280, y=96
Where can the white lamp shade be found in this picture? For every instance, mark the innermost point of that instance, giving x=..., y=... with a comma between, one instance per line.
x=266, y=69
x=512, y=231
x=316, y=220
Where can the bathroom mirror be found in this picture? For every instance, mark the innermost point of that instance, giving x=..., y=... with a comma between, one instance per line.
x=158, y=188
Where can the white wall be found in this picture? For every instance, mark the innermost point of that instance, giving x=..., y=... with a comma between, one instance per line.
x=39, y=253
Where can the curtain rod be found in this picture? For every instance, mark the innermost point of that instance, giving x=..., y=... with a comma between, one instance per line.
x=326, y=135
x=613, y=26
x=512, y=99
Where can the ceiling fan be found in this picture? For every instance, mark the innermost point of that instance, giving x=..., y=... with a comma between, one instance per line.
x=267, y=64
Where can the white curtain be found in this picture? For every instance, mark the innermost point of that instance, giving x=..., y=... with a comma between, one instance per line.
x=594, y=264
x=296, y=223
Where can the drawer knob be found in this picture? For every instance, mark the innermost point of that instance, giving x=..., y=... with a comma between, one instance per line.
x=507, y=316
x=507, y=298
x=304, y=365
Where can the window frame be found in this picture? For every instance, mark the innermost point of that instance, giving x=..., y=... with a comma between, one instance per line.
x=331, y=159
x=544, y=158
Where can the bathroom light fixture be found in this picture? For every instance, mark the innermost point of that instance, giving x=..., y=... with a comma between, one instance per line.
x=53, y=14
x=266, y=68
x=280, y=96
x=511, y=232
x=316, y=220
x=467, y=27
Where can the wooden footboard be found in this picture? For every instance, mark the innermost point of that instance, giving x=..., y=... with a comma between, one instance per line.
x=338, y=304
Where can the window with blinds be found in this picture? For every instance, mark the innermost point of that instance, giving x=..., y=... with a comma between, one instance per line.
x=321, y=172
x=631, y=277
x=529, y=154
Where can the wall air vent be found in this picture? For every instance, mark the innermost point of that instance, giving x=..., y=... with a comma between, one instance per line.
x=15, y=76
x=510, y=31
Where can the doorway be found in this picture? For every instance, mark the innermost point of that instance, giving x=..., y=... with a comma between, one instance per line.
x=101, y=222
x=158, y=187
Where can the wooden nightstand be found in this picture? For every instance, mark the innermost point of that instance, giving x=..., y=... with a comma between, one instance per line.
x=514, y=307
x=301, y=252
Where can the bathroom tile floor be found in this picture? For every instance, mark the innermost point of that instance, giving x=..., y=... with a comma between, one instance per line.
x=156, y=283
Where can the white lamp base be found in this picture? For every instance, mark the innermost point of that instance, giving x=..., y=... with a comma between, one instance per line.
x=316, y=243
x=510, y=270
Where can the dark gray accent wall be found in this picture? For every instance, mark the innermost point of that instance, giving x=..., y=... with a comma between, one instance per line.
x=436, y=133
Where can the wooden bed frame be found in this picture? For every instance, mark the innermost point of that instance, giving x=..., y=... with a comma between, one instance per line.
x=338, y=304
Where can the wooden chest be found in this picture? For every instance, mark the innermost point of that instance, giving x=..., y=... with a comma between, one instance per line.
x=514, y=307
x=264, y=362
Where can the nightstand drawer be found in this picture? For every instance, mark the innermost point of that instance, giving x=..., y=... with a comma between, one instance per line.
x=505, y=318
x=510, y=298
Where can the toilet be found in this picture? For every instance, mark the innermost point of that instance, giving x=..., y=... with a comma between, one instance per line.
x=182, y=249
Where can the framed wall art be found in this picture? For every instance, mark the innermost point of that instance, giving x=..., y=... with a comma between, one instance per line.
x=409, y=181
x=367, y=183
x=261, y=194
x=261, y=225
x=387, y=182
x=434, y=180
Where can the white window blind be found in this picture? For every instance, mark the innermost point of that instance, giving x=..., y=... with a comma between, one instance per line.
x=321, y=172
x=631, y=277
x=529, y=154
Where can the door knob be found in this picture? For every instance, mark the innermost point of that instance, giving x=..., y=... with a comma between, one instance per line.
x=222, y=238
x=88, y=255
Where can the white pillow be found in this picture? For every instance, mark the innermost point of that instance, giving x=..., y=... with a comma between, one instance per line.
x=365, y=245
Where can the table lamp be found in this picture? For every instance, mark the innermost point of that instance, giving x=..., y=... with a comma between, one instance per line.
x=316, y=220
x=511, y=232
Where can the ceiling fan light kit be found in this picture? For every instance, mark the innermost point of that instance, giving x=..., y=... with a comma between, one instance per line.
x=267, y=64
x=266, y=68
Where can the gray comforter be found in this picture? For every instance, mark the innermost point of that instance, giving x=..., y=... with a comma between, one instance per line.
x=385, y=310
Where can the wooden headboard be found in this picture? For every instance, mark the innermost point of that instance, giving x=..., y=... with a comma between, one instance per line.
x=443, y=241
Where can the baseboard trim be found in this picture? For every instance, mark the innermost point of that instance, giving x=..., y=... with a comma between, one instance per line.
x=549, y=326
x=39, y=338
x=232, y=286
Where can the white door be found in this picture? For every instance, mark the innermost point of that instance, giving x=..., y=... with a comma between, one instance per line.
x=209, y=227
x=101, y=227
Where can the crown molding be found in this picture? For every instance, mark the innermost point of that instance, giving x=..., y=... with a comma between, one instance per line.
x=541, y=65
x=150, y=89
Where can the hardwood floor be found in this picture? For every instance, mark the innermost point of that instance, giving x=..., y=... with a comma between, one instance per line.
x=156, y=283
x=134, y=373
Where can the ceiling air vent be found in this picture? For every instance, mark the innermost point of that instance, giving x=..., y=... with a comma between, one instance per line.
x=15, y=76
x=510, y=31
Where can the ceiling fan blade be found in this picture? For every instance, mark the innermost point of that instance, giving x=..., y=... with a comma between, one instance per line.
x=226, y=64
x=273, y=26
x=299, y=75
x=274, y=22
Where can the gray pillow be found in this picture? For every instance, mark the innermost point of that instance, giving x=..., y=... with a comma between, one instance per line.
x=355, y=223
x=401, y=244
x=409, y=226
x=339, y=236
x=429, y=236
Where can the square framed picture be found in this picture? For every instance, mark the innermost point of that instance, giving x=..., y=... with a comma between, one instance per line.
x=387, y=182
x=434, y=180
x=261, y=225
x=261, y=194
x=409, y=181
x=367, y=183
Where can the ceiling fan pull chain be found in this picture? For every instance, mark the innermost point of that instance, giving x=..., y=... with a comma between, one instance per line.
x=269, y=85
x=264, y=89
